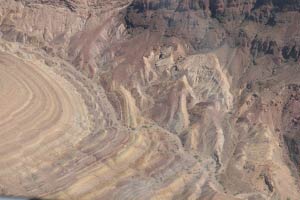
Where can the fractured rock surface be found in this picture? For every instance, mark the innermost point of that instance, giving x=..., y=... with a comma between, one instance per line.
x=150, y=99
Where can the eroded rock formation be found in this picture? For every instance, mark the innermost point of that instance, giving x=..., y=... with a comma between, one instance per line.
x=150, y=99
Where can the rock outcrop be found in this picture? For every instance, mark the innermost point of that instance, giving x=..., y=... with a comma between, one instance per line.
x=150, y=99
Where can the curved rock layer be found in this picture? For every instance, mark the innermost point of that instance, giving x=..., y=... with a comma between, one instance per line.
x=42, y=118
x=150, y=99
x=52, y=147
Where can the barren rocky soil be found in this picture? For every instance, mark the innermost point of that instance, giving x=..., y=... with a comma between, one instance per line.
x=150, y=99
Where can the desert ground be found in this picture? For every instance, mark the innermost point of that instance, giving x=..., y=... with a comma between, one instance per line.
x=150, y=99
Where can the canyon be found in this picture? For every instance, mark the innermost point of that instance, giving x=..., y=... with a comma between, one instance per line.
x=150, y=99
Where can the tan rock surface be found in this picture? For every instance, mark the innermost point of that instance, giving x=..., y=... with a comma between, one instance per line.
x=156, y=99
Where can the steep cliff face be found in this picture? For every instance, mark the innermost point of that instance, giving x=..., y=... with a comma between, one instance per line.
x=181, y=99
x=60, y=27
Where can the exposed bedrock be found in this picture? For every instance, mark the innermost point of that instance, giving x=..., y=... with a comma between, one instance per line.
x=150, y=99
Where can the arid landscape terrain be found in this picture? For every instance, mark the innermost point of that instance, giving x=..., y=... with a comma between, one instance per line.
x=150, y=99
